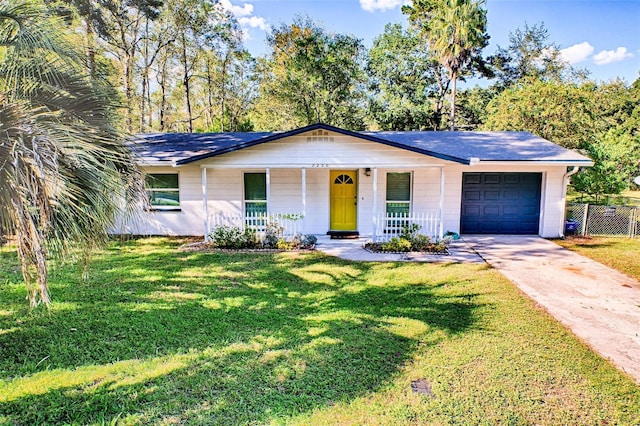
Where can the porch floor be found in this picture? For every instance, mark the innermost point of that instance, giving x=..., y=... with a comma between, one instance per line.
x=353, y=249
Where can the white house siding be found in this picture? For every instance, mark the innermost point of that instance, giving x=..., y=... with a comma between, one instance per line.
x=551, y=204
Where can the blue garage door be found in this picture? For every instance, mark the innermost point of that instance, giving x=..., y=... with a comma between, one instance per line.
x=500, y=203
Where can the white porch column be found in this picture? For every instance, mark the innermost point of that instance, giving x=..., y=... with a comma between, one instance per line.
x=441, y=231
x=267, y=173
x=375, y=203
x=205, y=205
x=304, y=199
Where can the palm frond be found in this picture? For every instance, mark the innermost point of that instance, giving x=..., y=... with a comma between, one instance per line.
x=65, y=173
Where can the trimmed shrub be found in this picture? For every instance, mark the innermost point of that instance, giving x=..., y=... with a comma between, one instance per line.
x=233, y=237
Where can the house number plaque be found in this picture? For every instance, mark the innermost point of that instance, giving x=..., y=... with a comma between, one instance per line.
x=319, y=165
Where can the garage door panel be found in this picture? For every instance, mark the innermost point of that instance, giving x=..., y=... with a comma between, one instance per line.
x=472, y=178
x=491, y=210
x=510, y=195
x=501, y=203
x=511, y=211
x=472, y=195
x=490, y=178
x=471, y=211
x=491, y=195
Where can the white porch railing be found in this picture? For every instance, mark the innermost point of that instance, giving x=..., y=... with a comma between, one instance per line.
x=291, y=223
x=390, y=225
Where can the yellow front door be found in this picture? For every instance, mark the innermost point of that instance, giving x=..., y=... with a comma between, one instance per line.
x=344, y=200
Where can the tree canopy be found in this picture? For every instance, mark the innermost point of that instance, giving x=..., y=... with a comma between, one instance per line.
x=407, y=84
x=313, y=76
x=455, y=31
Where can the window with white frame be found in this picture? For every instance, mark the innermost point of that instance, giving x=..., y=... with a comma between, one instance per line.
x=255, y=194
x=163, y=191
x=398, y=194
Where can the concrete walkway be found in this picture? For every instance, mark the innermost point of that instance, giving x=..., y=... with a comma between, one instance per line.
x=600, y=305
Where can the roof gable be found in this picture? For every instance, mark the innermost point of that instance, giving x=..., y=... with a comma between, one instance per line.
x=458, y=147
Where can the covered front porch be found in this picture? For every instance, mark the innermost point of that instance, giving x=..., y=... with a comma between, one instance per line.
x=371, y=202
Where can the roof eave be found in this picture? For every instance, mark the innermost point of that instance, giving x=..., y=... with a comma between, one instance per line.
x=568, y=163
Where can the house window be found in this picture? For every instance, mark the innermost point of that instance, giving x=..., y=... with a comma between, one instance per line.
x=398, y=194
x=255, y=194
x=163, y=191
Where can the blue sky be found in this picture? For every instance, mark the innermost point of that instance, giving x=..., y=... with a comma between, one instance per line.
x=602, y=36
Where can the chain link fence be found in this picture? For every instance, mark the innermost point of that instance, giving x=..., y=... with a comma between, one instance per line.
x=590, y=219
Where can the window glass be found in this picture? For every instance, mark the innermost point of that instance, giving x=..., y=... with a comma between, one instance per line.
x=163, y=191
x=398, y=193
x=255, y=194
x=255, y=186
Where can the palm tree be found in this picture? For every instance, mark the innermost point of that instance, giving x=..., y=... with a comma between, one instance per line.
x=64, y=167
x=455, y=31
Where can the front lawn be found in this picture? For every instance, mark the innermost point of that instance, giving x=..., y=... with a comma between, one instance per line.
x=161, y=336
x=620, y=253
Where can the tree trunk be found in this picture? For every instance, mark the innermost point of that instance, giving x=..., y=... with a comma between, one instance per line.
x=145, y=77
x=163, y=99
x=91, y=47
x=185, y=81
x=223, y=94
x=452, y=113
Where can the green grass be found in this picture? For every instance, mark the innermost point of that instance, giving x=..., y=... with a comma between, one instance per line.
x=620, y=253
x=161, y=336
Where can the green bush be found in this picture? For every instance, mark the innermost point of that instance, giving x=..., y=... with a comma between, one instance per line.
x=233, y=237
x=421, y=243
x=396, y=244
x=272, y=234
x=309, y=241
x=410, y=232
x=286, y=245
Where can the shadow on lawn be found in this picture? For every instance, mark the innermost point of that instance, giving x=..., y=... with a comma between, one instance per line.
x=219, y=338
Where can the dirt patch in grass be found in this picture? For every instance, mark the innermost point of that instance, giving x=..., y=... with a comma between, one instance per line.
x=620, y=253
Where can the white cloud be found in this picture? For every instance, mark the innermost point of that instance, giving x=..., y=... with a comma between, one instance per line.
x=609, y=56
x=244, y=10
x=577, y=53
x=373, y=5
x=254, y=22
x=245, y=17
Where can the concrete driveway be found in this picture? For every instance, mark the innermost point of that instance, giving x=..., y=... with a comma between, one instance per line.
x=600, y=305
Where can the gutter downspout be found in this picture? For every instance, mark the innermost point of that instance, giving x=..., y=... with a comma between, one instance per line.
x=565, y=182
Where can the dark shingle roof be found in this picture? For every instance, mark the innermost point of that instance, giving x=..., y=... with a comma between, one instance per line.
x=460, y=147
x=176, y=147
x=484, y=146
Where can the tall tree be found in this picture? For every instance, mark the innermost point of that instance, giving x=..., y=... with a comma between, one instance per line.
x=314, y=76
x=408, y=85
x=123, y=30
x=62, y=160
x=530, y=55
x=202, y=27
x=560, y=112
x=456, y=33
